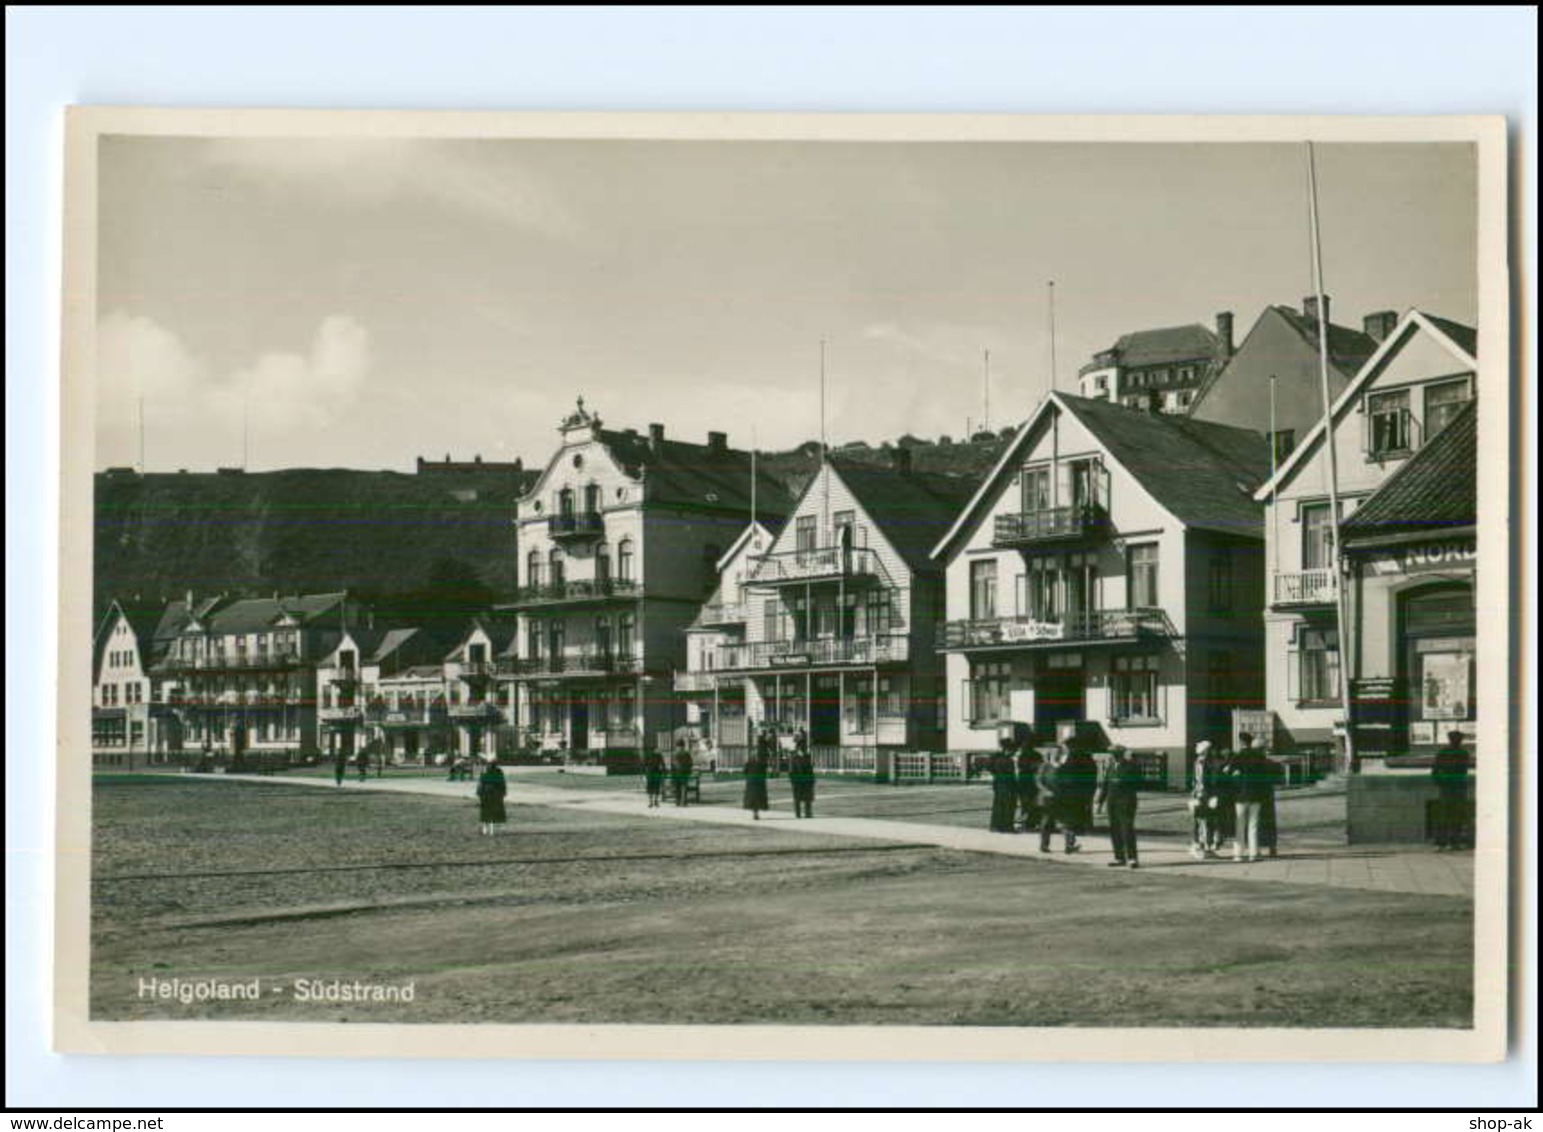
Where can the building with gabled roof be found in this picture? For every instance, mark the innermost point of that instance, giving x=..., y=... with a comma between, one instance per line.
x=1158, y=370
x=1108, y=571
x=1283, y=345
x=1418, y=384
x=241, y=675
x=619, y=541
x=836, y=635
x=124, y=723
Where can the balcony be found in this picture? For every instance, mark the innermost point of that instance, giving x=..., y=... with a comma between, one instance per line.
x=1304, y=589
x=820, y=564
x=575, y=526
x=477, y=673
x=344, y=678
x=818, y=653
x=244, y=662
x=336, y=716
x=706, y=681
x=723, y=613
x=412, y=715
x=1103, y=625
x=482, y=710
x=574, y=593
x=1052, y=524
x=572, y=664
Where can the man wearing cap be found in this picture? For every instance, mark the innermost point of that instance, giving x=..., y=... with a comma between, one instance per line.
x=1118, y=780
x=1205, y=803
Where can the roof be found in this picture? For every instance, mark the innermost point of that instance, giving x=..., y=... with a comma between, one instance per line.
x=1163, y=345
x=252, y=615
x=1203, y=474
x=390, y=641
x=696, y=475
x=1437, y=488
x=1450, y=334
x=1348, y=348
x=913, y=510
x=502, y=635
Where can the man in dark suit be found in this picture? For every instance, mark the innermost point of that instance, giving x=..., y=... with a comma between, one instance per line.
x=1029, y=762
x=682, y=772
x=1078, y=782
x=1118, y=781
x=1450, y=774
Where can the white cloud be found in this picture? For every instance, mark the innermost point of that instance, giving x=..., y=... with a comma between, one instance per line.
x=284, y=398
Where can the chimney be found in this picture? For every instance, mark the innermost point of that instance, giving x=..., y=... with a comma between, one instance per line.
x=1379, y=324
x=1224, y=332
x=717, y=443
x=902, y=460
x=655, y=436
x=1310, y=308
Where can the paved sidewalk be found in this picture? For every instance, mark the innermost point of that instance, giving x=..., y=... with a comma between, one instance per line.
x=1389, y=868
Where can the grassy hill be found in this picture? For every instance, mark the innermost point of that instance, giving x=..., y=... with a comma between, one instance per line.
x=307, y=530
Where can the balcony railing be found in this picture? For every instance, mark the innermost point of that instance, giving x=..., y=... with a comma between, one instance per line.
x=1083, y=520
x=1309, y=587
x=573, y=592
x=812, y=653
x=723, y=613
x=572, y=664
x=354, y=714
x=482, y=709
x=824, y=563
x=575, y=525
x=706, y=681
x=221, y=661
x=1071, y=628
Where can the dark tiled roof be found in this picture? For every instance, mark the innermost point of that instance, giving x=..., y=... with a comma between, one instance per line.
x=912, y=509
x=1436, y=489
x=693, y=475
x=1204, y=473
x=253, y=615
x=1163, y=346
x=1465, y=336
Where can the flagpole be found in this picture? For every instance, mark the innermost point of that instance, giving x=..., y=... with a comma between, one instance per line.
x=1346, y=652
x=825, y=517
x=1051, y=287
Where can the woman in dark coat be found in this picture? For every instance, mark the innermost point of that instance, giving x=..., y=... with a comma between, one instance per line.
x=755, y=784
x=491, y=788
x=653, y=777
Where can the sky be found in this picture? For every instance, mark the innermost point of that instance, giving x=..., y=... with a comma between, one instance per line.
x=358, y=303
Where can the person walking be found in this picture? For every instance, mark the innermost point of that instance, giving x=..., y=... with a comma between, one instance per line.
x=1052, y=804
x=801, y=778
x=491, y=789
x=1029, y=762
x=1205, y=802
x=1004, y=786
x=1269, y=830
x=1078, y=781
x=1449, y=772
x=339, y=765
x=1118, y=781
x=755, y=799
x=681, y=772
x=653, y=777
x=1251, y=780
x=362, y=763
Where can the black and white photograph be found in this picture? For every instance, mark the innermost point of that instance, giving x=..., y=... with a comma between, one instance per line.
x=993, y=584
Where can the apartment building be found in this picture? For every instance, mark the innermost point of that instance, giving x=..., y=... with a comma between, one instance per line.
x=1158, y=371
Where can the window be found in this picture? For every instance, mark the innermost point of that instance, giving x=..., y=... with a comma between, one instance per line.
x=602, y=563
x=626, y=707
x=860, y=707
x=1315, y=666
x=557, y=634
x=592, y=498
x=844, y=526
x=1141, y=577
x=565, y=501
x=1282, y=442
x=880, y=612
x=805, y=533
x=1036, y=489
x=603, y=636
x=1219, y=585
x=1317, y=537
x=533, y=573
x=624, y=566
x=1044, y=589
x=1133, y=688
x=626, y=633
x=1443, y=401
x=891, y=703
x=983, y=590
x=533, y=640
x=1388, y=423
x=555, y=566
x=988, y=692
x=774, y=623
x=1081, y=576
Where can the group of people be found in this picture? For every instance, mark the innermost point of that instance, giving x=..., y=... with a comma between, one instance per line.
x=1060, y=791
x=760, y=764
x=679, y=771
x=1232, y=797
x=362, y=761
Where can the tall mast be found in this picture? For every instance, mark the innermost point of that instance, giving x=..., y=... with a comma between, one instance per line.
x=986, y=381
x=142, y=436
x=1274, y=449
x=1346, y=652
x=1051, y=288
x=825, y=479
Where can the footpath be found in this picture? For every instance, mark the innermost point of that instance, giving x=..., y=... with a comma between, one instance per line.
x=1384, y=868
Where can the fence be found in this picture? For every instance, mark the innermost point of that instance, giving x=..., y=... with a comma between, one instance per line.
x=928, y=766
